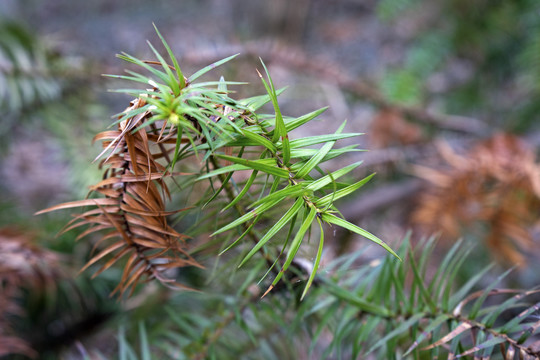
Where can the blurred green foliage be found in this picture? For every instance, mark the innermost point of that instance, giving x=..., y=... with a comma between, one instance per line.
x=25, y=69
x=498, y=44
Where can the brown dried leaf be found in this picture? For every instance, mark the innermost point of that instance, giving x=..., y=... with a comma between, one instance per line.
x=103, y=253
x=133, y=208
x=464, y=326
x=113, y=260
x=79, y=203
x=10, y=345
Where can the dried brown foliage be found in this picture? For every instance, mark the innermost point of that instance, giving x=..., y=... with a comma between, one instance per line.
x=389, y=128
x=22, y=265
x=497, y=183
x=130, y=207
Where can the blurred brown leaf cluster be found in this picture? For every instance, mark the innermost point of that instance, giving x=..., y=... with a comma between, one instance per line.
x=23, y=265
x=389, y=128
x=495, y=184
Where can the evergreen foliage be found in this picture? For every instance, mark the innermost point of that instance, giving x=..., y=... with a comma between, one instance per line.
x=251, y=199
x=358, y=309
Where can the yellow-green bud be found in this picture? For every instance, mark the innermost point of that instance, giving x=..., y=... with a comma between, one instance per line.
x=174, y=118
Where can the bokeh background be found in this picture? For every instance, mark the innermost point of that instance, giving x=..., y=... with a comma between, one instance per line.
x=447, y=93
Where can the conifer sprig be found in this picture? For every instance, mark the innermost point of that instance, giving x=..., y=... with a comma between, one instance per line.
x=178, y=119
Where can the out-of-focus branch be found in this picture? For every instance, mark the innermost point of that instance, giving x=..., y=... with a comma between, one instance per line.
x=324, y=68
x=415, y=152
x=381, y=197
